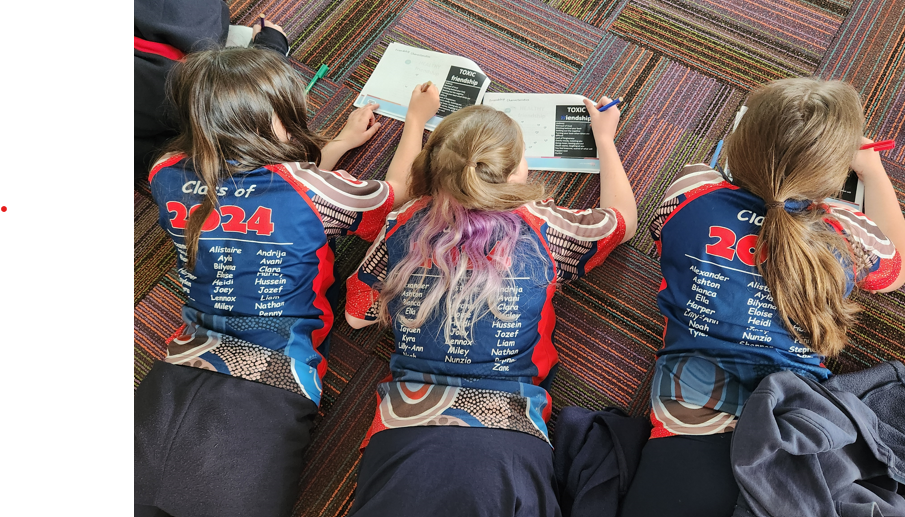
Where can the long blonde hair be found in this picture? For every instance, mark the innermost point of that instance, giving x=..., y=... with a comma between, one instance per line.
x=796, y=142
x=464, y=167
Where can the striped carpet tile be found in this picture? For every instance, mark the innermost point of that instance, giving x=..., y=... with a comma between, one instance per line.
x=157, y=316
x=608, y=326
x=154, y=252
x=246, y=12
x=294, y=17
x=331, y=116
x=342, y=33
x=615, y=68
x=329, y=103
x=350, y=251
x=675, y=118
x=739, y=42
x=346, y=357
x=640, y=404
x=541, y=32
x=495, y=41
x=878, y=335
x=892, y=127
x=328, y=483
x=372, y=160
x=869, y=52
x=571, y=389
x=595, y=12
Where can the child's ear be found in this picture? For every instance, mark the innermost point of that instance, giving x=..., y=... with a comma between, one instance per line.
x=520, y=174
x=279, y=130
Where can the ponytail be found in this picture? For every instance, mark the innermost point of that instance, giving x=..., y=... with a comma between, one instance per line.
x=794, y=146
x=805, y=278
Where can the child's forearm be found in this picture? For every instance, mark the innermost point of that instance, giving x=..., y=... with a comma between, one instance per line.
x=331, y=154
x=401, y=166
x=615, y=189
x=882, y=207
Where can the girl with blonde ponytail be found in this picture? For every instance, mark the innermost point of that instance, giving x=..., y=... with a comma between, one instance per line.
x=249, y=197
x=465, y=274
x=757, y=273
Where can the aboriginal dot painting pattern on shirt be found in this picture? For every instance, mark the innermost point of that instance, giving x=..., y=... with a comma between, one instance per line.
x=684, y=68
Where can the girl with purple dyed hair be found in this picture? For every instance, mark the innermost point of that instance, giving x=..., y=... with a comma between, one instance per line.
x=465, y=274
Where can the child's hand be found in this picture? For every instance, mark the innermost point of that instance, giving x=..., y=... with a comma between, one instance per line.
x=423, y=105
x=256, y=28
x=866, y=162
x=603, y=124
x=356, y=130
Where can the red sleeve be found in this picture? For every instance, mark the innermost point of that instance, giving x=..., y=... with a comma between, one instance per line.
x=578, y=240
x=374, y=220
x=346, y=205
x=877, y=261
x=361, y=299
x=692, y=180
x=361, y=294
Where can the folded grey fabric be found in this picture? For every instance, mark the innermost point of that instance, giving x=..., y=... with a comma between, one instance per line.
x=805, y=449
x=882, y=389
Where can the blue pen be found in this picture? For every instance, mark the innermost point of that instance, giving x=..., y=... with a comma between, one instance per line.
x=610, y=105
x=716, y=154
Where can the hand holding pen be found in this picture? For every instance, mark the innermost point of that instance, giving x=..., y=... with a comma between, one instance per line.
x=604, y=118
x=424, y=103
x=262, y=22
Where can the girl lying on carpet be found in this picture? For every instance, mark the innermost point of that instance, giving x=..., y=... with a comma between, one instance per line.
x=757, y=271
x=220, y=427
x=465, y=274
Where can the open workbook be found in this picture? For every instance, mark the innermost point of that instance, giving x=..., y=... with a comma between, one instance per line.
x=556, y=127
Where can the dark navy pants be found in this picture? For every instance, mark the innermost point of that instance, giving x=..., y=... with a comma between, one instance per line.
x=445, y=471
x=683, y=476
x=207, y=444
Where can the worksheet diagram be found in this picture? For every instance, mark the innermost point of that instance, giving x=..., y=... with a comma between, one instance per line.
x=460, y=80
x=556, y=127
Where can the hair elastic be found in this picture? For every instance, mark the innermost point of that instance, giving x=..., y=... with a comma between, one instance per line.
x=472, y=164
x=775, y=204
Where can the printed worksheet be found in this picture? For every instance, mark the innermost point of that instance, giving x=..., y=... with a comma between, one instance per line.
x=401, y=67
x=557, y=130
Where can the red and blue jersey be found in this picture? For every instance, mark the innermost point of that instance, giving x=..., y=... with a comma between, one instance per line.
x=723, y=333
x=497, y=375
x=257, y=298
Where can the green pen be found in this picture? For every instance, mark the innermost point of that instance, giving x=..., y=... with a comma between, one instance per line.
x=322, y=71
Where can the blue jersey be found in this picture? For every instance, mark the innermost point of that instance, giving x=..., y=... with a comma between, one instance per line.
x=723, y=333
x=497, y=374
x=257, y=297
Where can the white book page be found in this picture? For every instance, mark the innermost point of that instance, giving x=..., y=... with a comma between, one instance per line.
x=556, y=127
x=239, y=36
x=460, y=80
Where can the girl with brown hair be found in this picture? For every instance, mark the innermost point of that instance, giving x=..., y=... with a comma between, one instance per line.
x=465, y=275
x=757, y=272
x=248, y=196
